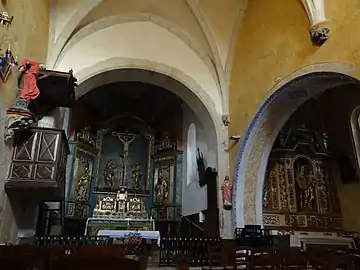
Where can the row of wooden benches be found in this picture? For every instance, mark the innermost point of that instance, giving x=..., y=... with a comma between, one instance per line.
x=284, y=258
x=59, y=257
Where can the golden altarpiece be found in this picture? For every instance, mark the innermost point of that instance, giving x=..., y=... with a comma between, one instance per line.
x=299, y=191
x=114, y=181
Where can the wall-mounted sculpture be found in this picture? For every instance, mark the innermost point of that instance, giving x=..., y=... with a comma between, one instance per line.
x=109, y=174
x=226, y=191
x=38, y=89
x=319, y=30
x=19, y=116
x=161, y=190
x=136, y=175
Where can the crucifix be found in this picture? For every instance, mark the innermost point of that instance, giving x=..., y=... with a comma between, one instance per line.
x=126, y=139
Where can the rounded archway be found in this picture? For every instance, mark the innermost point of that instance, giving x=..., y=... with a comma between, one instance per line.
x=197, y=108
x=258, y=141
x=179, y=63
x=203, y=110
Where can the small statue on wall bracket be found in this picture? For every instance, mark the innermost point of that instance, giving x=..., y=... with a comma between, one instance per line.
x=226, y=190
x=201, y=168
x=19, y=116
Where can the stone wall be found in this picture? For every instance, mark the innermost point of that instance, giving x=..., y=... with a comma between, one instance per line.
x=273, y=42
x=28, y=37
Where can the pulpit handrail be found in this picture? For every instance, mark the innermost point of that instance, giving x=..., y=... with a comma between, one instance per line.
x=192, y=222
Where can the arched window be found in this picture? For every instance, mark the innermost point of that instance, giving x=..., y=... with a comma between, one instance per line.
x=355, y=128
x=191, y=169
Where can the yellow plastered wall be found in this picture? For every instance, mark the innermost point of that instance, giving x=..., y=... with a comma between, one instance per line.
x=273, y=41
x=27, y=35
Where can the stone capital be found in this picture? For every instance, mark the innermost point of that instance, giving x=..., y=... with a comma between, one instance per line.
x=319, y=30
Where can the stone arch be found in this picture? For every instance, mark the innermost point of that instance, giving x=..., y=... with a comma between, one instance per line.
x=355, y=129
x=290, y=93
x=87, y=79
x=61, y=39
x=136, y=122
x=127, y=40
x=123, y=69
x=129, y=18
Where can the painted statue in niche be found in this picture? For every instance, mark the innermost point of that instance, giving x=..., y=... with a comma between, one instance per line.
x=161, y=190
x=226, y=190
x=109, y=174
x=305, y=184
x=82, y=188
x=136, y=175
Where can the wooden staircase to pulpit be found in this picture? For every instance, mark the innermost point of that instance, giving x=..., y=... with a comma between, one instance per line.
x=211, y=222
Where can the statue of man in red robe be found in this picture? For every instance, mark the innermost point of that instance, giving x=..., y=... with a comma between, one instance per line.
x=30, y=70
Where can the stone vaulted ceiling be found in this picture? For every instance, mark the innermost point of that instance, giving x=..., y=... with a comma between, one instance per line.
x=208, y=26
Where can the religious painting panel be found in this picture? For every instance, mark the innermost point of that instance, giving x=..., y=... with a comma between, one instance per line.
x=80, y=180
x=123, y=161
x=163, y=184
x=305, y=179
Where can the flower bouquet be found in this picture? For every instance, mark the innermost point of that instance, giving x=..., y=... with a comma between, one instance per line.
x=132, y=242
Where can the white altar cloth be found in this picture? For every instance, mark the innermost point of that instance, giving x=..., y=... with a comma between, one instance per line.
x=154, y=235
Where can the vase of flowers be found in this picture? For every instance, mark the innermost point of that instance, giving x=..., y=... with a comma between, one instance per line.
x=132, y=243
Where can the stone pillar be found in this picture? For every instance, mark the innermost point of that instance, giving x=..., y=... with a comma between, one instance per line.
x=319, y=31
x=226, y=224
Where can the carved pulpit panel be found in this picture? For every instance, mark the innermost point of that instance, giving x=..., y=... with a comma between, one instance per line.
x=38, y=162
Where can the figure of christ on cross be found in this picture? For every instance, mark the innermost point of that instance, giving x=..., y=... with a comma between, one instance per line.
x=126, y=139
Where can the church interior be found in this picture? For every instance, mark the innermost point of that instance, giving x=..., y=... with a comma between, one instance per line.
x=146, y=134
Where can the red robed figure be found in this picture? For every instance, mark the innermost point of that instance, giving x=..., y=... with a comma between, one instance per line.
x=29, y=90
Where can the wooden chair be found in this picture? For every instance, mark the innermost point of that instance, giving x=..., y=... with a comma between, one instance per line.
x=242, y=259
x=293, y=258
x=320, y=258
x=265, y=258
x=345, y=261
x=215, y=258
x=26, y=257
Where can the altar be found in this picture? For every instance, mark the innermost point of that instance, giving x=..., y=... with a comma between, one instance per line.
x=148, y=235
x=121, y=178
x=119, y=212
